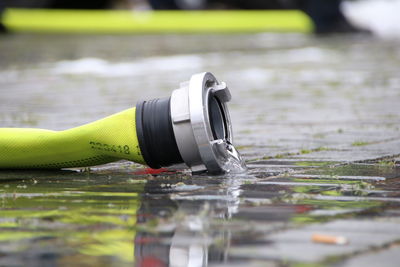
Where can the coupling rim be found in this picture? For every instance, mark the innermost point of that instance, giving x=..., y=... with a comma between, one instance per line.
x=190, y=116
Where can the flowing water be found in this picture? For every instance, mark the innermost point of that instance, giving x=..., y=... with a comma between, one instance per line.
x=234, y=163
x=315, y=119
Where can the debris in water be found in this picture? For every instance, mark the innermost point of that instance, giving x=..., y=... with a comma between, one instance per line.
x=329, y=239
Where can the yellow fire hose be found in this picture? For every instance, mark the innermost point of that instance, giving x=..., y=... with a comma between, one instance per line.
x=192, y=127
x=127, y=21
x=102, y=141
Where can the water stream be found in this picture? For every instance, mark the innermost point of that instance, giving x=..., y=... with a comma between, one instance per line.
x=234, y=163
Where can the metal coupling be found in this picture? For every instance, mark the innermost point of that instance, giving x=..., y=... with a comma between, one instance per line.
x=201, y=122
x=192, y=126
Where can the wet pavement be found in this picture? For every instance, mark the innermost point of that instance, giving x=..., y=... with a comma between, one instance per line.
x=317, y=120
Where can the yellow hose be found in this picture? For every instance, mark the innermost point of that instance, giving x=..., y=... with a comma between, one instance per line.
x=128, y=21
x=106, y=140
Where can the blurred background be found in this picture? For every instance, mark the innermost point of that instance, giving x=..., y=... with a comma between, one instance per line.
x=327, y=16
x=111, y=49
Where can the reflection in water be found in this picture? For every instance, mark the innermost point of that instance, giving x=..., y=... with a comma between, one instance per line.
x=190, y=239
x=167, y=218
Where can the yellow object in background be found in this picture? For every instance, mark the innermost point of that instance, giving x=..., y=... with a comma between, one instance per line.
x=125, y=21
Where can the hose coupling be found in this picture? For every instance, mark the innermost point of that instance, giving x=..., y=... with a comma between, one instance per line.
x=192, y=126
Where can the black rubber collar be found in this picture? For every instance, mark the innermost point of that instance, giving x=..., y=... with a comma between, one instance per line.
x=155, y=133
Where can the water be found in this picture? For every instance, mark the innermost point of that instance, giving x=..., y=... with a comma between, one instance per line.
x=234, y=163
x=315, y=119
